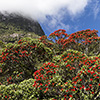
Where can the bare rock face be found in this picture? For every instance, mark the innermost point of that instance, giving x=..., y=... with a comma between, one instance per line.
x=22, y=23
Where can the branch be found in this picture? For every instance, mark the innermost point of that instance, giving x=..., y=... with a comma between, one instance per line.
x=96, y=94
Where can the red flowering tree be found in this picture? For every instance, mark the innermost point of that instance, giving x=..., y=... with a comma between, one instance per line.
x=87, y=81
x=58, y=38
x=67, y=70
x=86, y=41
x=23, y=56
x=45, y=80
x=77, y=76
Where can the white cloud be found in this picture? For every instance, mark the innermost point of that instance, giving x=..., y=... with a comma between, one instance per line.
x=56, y=22
x=40, y=9
x=96, y=9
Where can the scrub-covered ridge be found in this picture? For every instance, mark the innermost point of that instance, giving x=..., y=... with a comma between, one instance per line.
x=67, y=67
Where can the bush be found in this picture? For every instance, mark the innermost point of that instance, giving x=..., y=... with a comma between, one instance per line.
x=67, y=71
x=24, y=56
x=23, y=91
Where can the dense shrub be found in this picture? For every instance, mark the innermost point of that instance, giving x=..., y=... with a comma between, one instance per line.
x=65, y=68
x=23, y=91
x=23, y=57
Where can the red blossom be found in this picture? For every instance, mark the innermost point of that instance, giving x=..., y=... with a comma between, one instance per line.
x=80, y=79
x=46, y=85
x=65, y=95
x=90, y=84
x=74, y=86
x=72, y=89
x=67, y=90
x=70, y=96
x=91, y=79
x=5, y=96
x=83, y=86
x=87, y=89
x=40, y=88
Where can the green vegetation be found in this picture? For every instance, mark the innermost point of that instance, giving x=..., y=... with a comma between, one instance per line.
x=10, y=33
x=67, y=67
x=13, y=27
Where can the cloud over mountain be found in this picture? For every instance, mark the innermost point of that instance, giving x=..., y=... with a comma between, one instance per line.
x=41, y=9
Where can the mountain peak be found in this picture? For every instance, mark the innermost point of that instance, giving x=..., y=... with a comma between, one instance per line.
x=21, y=22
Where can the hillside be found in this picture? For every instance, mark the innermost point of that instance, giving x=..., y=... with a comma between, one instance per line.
x=59, y=67
x=13, y=27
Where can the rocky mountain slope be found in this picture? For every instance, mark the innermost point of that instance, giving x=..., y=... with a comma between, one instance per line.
x=14, y=26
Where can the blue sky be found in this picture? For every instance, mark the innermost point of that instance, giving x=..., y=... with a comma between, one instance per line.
x=71, y=15
x=87, y=19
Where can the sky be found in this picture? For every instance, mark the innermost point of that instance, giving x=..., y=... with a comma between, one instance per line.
x=71, y=15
